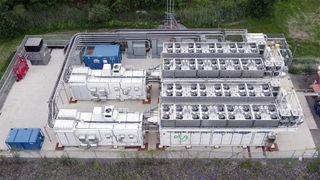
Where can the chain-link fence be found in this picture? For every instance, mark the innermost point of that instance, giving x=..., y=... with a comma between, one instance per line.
x=239, y=153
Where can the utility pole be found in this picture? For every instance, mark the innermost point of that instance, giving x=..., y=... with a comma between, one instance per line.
x=171, y=22
x=295, y=49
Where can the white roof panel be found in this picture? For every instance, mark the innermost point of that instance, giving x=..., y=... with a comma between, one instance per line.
x=80, y=70
x=77, y=78
x=67, y=113
x=64, y=124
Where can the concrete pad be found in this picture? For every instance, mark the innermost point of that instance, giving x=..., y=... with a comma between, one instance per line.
x=26, y=105
x=316, y=136
x=140, y=63
x=152, y=139
x=308, y=117
x=299, y=140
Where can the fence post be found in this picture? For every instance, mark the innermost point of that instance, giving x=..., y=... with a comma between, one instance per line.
x=45, y=129
x=304, y=151
x=314, y=154
x=95, y=154
x=292, y=156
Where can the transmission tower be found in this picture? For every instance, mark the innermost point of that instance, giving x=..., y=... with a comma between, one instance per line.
x=171, y=22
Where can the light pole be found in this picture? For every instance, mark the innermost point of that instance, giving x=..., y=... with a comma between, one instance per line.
x=295, y=49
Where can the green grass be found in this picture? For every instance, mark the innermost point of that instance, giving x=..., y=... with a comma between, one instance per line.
x=246, y=164
x=314, y=166
x=287, y=11
x=7, y=50
x=7, y=47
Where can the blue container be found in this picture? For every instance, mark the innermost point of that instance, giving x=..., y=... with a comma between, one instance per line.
x=25, y=138
x=96, y=56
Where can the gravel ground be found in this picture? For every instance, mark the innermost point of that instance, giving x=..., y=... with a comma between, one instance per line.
x=65, y=168
x=301, y=81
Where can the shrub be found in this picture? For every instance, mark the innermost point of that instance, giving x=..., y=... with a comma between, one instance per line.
x=67, y=161
x=314, y=166
x=96, y=166
x=99, y=14
x=295, y=70
x=246, y=164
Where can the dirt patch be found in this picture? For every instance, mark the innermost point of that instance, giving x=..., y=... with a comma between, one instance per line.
x=304, y=26
x=299, y=34
x=301, y=81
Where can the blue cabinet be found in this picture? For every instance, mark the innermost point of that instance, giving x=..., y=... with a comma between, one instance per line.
x=25, y=138
x=96, y=56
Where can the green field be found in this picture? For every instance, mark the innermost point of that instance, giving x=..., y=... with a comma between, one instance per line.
x=299, y=20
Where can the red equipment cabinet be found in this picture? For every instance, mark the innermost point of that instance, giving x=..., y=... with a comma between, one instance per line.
x=21, y=68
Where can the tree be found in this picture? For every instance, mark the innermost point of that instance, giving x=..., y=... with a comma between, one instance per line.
x=260, y=8
x=99, y=13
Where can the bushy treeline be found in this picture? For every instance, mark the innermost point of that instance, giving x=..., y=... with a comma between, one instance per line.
x=38, y=16
x=209, y=13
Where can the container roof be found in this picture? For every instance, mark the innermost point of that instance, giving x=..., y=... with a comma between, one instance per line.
x=23, y=135
x=105, y=50
x=33, y=42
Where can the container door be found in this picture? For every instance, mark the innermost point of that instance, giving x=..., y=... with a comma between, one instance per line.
x=75, y=92
x=195, y=138
x=165, y=138
x=226, y=139
x=216, y=139
x=185, y=138
x=236, y=138
x=133, y=138
x=62, y=138
x=112, y=60
x=175, y=138
x=246, y=139
x=72, y=140
x=109, y=138
x=205, y=138
x=97, y=64
x=258, y=139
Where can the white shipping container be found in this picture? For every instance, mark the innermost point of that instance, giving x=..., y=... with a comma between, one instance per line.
x=64, y=131
x=175, y=138
x=216, y=138
x=195, y=138
x=185, y=138
x=94, y=129
x=226, y=138
x=207, y=137
x=95, y=85
x=67, y=139
x=165, y=138
x=259, y=139
x=246, y=139
x=236, y=138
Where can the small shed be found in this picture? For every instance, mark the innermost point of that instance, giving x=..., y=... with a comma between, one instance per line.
x=96, y=56
x=33, y=44
x=25, y=138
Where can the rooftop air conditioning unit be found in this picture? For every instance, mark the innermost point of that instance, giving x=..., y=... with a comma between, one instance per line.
x=116, y=68
x=108, y=111
x=82, y=138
